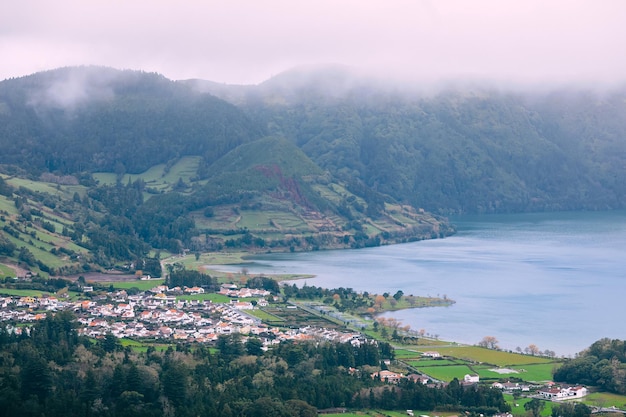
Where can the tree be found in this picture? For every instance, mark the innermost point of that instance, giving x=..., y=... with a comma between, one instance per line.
x=534, y=406
x=398, y=295
x=174, y=381
x=532, y=350
x=110, y=343
x=254, y=346
x=489, y=342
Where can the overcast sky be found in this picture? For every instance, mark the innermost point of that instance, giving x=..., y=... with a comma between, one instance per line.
x=246, y=42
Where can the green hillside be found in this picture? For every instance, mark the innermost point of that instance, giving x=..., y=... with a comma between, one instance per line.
x=104, y=168
x=470, y=149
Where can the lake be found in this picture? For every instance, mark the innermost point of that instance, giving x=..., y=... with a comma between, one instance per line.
x=555, y=280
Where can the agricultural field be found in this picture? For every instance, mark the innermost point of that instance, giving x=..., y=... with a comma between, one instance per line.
x=6, y=271
x=473, y=359
x=266, y=317
x=7, y=205
x=517, y=406
x=421, y=363
x=141, y=285
x=157, y=177
x=24, y=293
x=297, y=317
x=606, y=399
x=446, y=373
x=216, y=298
x=143, y=347
x=493, y=357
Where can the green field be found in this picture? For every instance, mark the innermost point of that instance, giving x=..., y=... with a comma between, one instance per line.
x=517, y=406
x=143, y=347
x=537, y=372
x=5, y=271
x=407, y=354
x=7, y=205
x=157, y=177
x=606, y=399
x=265, y=316
x=446, y=373
x=24, y=293
x=216, y=298
x=141, y=285
x=494, y=357
x=420, y=363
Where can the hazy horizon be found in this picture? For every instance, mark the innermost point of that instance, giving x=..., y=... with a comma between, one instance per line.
x=529, y=43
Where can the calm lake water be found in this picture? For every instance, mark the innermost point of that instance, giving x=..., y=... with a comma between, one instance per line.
x=555, y=280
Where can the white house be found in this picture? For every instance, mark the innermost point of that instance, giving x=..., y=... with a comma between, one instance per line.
x=563, y=393
x=471, y=379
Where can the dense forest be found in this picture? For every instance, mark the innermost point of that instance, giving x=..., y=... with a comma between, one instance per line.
x=456, y=149
x=133, y=162
x=603, y=365
x=469, y=149
x=56, y=372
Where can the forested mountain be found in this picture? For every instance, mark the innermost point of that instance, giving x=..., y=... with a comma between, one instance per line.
x=101, y=166
x=91, y=119
x=112, y=164
x=465, y=149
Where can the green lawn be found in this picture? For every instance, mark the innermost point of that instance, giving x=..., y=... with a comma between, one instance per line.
x=421, y=363
x=5, y=271
x=518, y=410
x=265, y=316
x=494, y=357
x=7, y=205
x=24, y=293
x=216, y=298
x=141, y=285
x=143, y=347
x=446, y=373
x=537, y=372
x=407, y=354
x=606, y=399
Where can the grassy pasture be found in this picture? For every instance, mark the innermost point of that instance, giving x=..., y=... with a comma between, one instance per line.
x=156, y=177
x=185, y=168
x=216, y=298
x=6, y=271
x=494, y=357
x=143, y=347
x=536, y=372
x=407, y=354
x=40, y=254
x=433, y=362
x=446, y=373
x=265, y=316
x=518, y=410
x=24, y=293
x=7, y=205
x=606, y=399
x=105, y=178
x=253, y=220
x=327, y=193
x=141, y=285
x=43, y=187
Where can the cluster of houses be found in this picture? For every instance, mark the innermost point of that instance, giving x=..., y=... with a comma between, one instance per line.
x=159, y=314
x=231, y=290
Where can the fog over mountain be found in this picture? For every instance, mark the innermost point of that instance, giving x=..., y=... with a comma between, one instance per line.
x=524, y=43
x=464, y=148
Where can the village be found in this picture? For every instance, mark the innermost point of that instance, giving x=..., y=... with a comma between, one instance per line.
x=160, y=314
